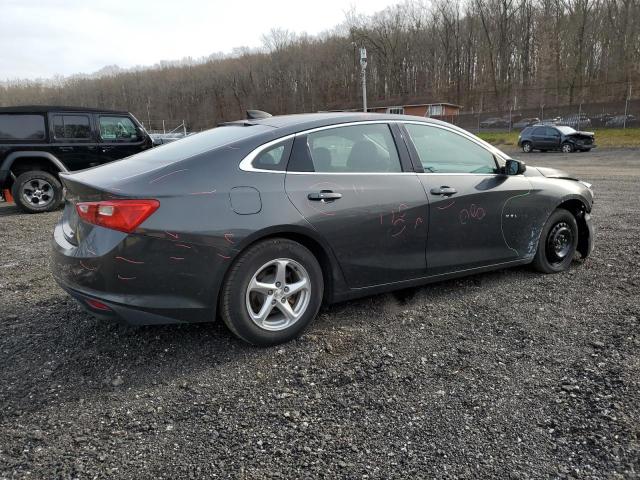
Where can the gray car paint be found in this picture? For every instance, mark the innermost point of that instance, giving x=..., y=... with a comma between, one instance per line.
x=171, y=269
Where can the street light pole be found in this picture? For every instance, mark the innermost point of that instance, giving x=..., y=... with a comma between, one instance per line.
x=363, y=65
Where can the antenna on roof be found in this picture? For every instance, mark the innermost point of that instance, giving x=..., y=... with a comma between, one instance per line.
x=257, y=114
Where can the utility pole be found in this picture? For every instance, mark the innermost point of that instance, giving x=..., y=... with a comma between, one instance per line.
x=626, y=107
x=363, y=65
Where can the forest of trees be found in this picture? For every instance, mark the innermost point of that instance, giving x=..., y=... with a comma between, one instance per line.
x=481, y=54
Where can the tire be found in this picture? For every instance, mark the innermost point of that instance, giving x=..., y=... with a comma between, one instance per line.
x=566, y=148
x=37, y=191
x=243, y=300
x=557, y=244
x=527, y=147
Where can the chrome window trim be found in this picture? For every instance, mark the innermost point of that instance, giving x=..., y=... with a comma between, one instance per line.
x=246, y=162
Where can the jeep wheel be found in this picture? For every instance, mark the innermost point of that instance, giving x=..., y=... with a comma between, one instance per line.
x=527, y=147
x=37, y=191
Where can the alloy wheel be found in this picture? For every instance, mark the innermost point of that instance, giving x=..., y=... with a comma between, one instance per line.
x=37, y=192
x=278, y=294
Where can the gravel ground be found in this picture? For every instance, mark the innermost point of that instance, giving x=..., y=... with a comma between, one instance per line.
x=510, y=374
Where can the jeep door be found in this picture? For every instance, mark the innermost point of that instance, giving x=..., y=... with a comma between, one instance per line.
x=478, y=215
x=119, y=137
x=356, y=188
x=73, y=140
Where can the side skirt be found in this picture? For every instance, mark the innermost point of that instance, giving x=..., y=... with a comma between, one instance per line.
x=389, y=287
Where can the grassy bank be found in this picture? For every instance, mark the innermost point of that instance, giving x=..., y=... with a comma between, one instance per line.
x=605, y=137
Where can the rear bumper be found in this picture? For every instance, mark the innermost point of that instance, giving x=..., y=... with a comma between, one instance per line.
x=140, y=293
x=128, y=314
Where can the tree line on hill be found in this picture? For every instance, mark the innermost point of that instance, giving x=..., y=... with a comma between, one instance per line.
x=481, y=54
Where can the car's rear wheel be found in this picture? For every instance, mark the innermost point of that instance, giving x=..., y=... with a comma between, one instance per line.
x=272, y=292
x=37, y=191
x=567, y=148
x=557, y=244
x=527, y=147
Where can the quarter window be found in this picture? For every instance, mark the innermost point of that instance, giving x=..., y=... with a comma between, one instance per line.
x=442, y=151
x=274, y=158
x=118, y=129
x=367, y=148
x=71, y=127
x=22, y=127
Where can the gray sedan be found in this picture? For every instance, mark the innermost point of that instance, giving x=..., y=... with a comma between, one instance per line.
x=260, y=222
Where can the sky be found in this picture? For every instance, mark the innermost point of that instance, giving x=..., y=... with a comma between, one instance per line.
x=46, y=38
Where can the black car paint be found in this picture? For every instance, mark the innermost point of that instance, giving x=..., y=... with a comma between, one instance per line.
x=65, y=155
x=548, y=137
x=386, y=232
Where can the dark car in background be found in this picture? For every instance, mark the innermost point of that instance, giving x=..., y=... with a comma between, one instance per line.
x=555, y=137
x=620, y=121
x=495, y=122
x=576, y=121
x=525, y=122
x=37, y=143
x=263, y=220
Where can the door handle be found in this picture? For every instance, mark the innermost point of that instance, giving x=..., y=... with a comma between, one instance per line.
x=324, y=196
x=444, y=190
x=106, y=149
x=66, y=149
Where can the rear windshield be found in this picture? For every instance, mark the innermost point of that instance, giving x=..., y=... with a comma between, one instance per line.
x=200, y=143
x=173, y=152
x=21, y=127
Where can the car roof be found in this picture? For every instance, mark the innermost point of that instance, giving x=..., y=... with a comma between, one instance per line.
x=305, y=121
x=55, y=108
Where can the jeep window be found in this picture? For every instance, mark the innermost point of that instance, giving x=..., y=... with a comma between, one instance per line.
x=22, y=127
x=71, y=127
x=118, y=129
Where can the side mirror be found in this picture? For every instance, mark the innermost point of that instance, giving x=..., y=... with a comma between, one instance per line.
x=514, y=167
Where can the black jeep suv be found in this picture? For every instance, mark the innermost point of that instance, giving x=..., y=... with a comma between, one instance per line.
x=37, y=143
x=555, y=137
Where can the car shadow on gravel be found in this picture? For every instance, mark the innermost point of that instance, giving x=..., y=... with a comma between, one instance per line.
x=78, y=357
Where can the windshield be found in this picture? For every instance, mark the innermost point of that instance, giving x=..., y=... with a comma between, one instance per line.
x=566, y=130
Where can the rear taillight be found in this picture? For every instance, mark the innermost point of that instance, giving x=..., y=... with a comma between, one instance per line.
x=123, y=215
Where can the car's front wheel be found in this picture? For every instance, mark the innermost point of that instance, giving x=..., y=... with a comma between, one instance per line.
x=558, y=242
x=567, y=148
x=37, y=191
x=527, y=147
x=272, y=292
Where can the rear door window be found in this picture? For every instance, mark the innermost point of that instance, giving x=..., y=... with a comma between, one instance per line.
x=118, y=129
x=367, y=148
x=72, y=127
x=22, y=127
x=538, y=131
